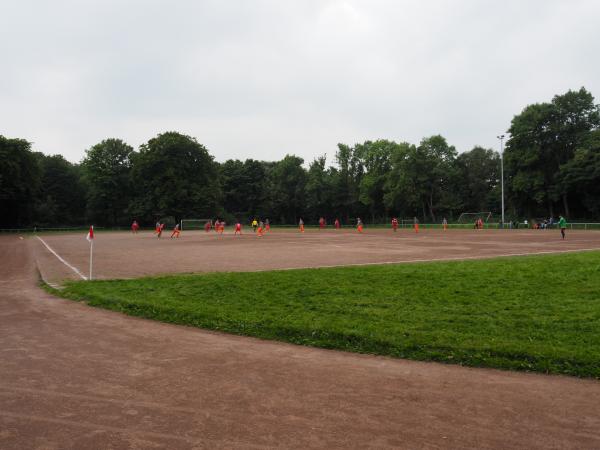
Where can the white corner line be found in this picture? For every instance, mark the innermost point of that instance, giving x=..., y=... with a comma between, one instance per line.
x=74, y=269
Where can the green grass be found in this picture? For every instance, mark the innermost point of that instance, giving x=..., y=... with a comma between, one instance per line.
x=537, y=313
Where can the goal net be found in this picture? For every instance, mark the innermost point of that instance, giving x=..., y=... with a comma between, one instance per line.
x=471, y=217
x=194, y=224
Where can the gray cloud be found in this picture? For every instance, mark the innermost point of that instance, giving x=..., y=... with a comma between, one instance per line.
x=261, y=79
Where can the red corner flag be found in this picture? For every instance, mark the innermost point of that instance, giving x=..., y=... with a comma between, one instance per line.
x=90, y=234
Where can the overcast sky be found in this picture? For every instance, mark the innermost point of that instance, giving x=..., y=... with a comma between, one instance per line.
x=260, y=79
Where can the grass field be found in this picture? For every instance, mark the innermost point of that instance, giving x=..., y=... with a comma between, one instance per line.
x=534, y=313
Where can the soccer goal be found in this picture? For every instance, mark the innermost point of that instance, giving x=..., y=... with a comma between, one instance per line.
x=471, y=217
x=193, y=224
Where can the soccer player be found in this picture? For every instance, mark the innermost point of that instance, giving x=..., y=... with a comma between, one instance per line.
x=267, y=226
x=416, y=224
x=159, y=230
x=238, y=228
x=321, y=223
x=135, y=227
x=444, y=224
x=221, y=227
x=261, y=227
x=157, y=227
x=301, y=225
x=207, y=226
x=395, y=224
x=176, y=231
x=562, y=224
x=254, y=225
x=337, y=224
x=359, y=225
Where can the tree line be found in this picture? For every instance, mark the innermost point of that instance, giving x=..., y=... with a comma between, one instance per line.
x=551, y=166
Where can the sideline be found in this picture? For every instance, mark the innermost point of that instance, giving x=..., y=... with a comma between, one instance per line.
x=409, y=261
x=74, y=269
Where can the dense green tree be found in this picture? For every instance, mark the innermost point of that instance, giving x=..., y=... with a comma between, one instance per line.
x=375, y=160
x=318, y=190
x=543, y=137
x=401, y=196
x=107, y=172
x=478, y=178
x=422, y=178
x=175, y=176
x=286, y=187
x=244, y=188
x=345, y=183
x=581, y=174
x=61, y=197
x=19, y=182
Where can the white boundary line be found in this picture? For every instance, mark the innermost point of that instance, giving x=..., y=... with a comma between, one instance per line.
x=74, y=269
x=409, y=261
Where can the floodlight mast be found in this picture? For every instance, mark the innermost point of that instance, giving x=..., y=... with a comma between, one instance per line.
x=501, y=137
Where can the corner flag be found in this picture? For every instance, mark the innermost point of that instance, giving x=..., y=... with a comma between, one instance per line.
x=90, y=238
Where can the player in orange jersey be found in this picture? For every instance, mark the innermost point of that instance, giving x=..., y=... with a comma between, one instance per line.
x=445, y=224
x=359, y=225
x=176, y=231
x=267, y=225
x=260, y=229
x=301, y=225
x=416, y=224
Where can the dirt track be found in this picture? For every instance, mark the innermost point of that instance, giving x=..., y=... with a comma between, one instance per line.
x=122, y=255
x=76, y=377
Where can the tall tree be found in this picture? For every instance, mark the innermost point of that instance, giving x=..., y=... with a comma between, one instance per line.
x=61, y=196
x=107, y=171
x=287, y=181
x=19, y=182
x=375, y=159
x=175, y=176
x=478, y=177
x=318, y=190
x=544, y=137
x=581, y=175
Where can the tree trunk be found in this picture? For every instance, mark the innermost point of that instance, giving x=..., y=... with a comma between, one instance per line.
x=566, y=205
x=431, y=207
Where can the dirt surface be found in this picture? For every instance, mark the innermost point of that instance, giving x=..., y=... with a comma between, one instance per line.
x=123, y=255
x=75, y=377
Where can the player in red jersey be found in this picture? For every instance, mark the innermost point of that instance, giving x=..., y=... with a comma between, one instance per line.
x=337, y=224
x=322, y=223
x=135, y=227
x=238, y=228
x=176, y=231
x=395, y=224
x=159, y=230
x=207, y=226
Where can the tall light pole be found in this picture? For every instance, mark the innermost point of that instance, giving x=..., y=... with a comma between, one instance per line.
x=501, y=137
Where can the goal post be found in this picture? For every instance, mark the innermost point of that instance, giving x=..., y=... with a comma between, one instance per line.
x=470, y=217
x=193, y=224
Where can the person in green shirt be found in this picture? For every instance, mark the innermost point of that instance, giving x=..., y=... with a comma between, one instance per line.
x=562, y=224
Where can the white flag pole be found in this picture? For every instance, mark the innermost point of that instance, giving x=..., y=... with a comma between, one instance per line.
x=91, y=256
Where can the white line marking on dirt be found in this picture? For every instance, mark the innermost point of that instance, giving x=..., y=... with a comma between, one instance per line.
x=458, y=258
x=74, y=269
